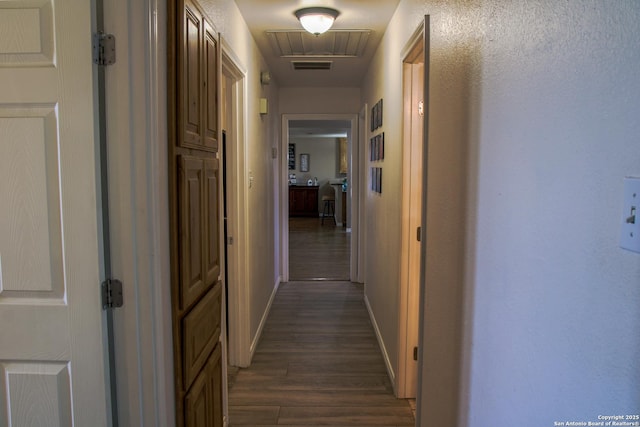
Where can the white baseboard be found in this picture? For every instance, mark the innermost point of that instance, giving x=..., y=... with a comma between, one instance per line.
x=383, y=348
x=267, y=310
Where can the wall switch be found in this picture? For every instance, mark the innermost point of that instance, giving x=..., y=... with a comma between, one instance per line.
x=630, y=227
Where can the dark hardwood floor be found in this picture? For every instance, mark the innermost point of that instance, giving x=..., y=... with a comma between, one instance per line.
x=317, y=363
x=318, y=251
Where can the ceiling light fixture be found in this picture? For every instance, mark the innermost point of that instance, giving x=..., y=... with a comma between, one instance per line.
x=316, y=20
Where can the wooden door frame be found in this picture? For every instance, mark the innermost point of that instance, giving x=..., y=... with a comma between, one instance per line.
x=406, y=379
x=355, y=187
x=239, y=337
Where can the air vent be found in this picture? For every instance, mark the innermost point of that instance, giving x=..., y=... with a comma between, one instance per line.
x=338, y=43
x=311, y=65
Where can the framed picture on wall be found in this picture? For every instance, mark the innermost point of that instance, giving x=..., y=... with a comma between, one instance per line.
x=376, y=115
x=343, y=167
x=304, y=163
x=291, y=156
x=373, y=118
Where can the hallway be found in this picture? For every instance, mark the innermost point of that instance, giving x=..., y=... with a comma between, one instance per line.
x=318, y=251
x=317, y=363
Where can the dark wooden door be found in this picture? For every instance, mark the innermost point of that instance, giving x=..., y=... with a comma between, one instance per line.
x=195, y=215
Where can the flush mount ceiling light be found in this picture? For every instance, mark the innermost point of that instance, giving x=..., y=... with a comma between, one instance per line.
x=316, y=20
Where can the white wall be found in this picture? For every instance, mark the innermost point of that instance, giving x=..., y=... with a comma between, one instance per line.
x=261, y=135
x=314, y=100
x=534, y=123
x=382, y=226
x=322, y=165
x=322, y=154
x=556, y=322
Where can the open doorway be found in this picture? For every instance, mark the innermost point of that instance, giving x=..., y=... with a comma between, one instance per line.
x=319, y=236
x=413, y=146
x=318, y=183
x=232, y=93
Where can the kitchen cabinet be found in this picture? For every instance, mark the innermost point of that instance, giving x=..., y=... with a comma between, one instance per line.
x=303, y=200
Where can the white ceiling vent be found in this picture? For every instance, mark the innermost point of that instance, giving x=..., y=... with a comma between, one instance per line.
x=311, y=65
x=338, y=43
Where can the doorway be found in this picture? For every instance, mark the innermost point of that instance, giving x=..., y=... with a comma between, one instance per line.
x=303, y=135
x=413, y=78
x=319, y=237
x=235, y=213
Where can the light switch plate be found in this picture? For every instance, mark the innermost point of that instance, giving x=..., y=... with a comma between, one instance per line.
x=630, y=223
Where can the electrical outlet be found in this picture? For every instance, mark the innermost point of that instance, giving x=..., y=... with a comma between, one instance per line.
x=630, y=227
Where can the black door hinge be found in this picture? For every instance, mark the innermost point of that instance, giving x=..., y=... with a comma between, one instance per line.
x=112, y=294
x=419, y=234
x=415, y=353
x=104, y=49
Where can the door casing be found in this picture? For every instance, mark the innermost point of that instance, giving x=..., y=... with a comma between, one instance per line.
x=353, y=177
x=412, y=195
x=233, y=110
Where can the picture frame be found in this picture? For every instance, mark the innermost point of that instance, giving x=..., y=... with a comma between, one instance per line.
x=304, y=162
x=376, y=148
x=291, y=157
x=376, y=115
x=374, y=118
x=343, y=166
x=376, y=180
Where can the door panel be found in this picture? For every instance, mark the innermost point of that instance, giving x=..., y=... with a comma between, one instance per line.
x=212, y=221
x=203, y=403
x=210, y=87
x=192, y=71
x=191, y=212
x=201, y=333
x=52, y=368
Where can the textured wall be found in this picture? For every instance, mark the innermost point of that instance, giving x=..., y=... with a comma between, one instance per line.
x=532, y=309
x=556, y=324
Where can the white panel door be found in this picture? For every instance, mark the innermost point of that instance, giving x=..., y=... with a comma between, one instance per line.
x=52, y=370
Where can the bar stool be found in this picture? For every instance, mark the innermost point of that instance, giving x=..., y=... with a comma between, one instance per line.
x=329, y=208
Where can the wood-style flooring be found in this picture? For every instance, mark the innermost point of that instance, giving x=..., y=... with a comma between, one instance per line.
x=318, y=251
x=318, y=363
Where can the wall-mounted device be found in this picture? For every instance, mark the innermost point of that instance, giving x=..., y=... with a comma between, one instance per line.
x=264, y=106
x=265, y=77
x=630, y=227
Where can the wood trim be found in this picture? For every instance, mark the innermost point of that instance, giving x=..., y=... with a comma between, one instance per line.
x=412, y=194
x=353, y=177
x=239, y=302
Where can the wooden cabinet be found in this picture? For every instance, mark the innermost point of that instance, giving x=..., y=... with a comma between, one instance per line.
x=303, y=200
x=198, y=115
x=203, y=403
x=194, y=197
